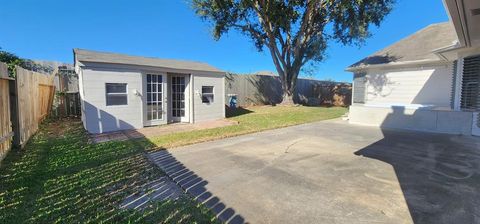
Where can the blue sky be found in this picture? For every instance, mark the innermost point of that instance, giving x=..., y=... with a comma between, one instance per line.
x=48, y=30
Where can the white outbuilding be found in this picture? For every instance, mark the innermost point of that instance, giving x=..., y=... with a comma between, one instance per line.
x=121, y=92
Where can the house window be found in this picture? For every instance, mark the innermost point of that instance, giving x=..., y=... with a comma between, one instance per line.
x=207, y=94
x=116, y=94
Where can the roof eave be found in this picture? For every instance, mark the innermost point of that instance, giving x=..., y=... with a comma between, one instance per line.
x=445, y=53
x=455, y=11
x=427, y=62
x=82, y=56
x=188, y=70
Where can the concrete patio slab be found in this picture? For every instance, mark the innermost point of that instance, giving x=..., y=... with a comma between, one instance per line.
x=159, y=130
x=332, y=172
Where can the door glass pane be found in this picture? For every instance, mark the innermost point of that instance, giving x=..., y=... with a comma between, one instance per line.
x=149, y=114
x=154, y=97
x=178, y=96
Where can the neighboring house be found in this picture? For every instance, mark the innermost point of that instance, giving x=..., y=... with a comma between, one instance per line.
x=428, y=81
x=121, y=92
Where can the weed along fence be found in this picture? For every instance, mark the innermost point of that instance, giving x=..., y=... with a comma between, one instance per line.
x=24, y=102
x=267, y=90
x=6, y=132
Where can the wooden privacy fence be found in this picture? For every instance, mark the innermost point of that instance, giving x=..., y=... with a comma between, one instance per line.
x=267, y=89
x=32, y=99
x=6, y=132
x=66, y=102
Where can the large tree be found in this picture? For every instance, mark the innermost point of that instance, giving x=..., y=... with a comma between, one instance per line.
x=296, y=32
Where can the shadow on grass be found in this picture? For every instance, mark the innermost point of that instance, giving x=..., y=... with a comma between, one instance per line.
x=235, y=112
x=60, y=177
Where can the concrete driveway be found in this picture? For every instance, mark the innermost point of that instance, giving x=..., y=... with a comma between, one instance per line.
x=333, y=172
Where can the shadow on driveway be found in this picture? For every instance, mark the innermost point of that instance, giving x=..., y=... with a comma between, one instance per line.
x=438, y=174
x=195, y=186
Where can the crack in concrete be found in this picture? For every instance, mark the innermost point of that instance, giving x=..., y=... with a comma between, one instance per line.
x=292, y=144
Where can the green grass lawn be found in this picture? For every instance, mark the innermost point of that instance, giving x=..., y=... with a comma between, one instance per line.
x=251, y=120
x=60, y=177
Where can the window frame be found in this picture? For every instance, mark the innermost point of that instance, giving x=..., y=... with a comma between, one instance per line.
x=107, y=94
x=212, y=94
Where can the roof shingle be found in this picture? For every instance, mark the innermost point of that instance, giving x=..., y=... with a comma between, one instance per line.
x=114, y=58
x=416, y=47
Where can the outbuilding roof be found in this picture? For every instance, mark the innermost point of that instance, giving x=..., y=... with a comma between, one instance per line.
x=419, y=46
x=115, y=58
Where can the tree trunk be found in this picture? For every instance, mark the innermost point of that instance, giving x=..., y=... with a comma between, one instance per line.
x=289, y=82
x=287, y=99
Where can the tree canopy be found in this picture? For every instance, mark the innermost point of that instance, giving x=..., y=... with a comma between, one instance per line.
x=295, y=32
x=13, y=60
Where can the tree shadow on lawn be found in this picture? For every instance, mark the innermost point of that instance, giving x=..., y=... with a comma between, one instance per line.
x=65, y=179
x=235, y=112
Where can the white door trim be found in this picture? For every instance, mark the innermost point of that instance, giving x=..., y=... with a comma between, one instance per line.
x=186, y=99
x=157, y=96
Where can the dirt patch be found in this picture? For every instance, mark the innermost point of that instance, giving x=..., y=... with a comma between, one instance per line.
x=60, y=126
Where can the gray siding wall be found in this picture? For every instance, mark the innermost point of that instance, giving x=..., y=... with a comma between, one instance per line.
x=215, y=110
x=101, y=118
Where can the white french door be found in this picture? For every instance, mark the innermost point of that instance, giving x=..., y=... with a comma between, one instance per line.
x=179, y=98
x=154, y=112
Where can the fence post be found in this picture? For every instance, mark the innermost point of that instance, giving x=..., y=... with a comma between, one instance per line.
x=14, y=112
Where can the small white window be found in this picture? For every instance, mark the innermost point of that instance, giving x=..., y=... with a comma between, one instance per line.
x=207, y=94
x=116, y=94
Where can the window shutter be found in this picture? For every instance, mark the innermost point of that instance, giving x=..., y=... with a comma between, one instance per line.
x=470, y=99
